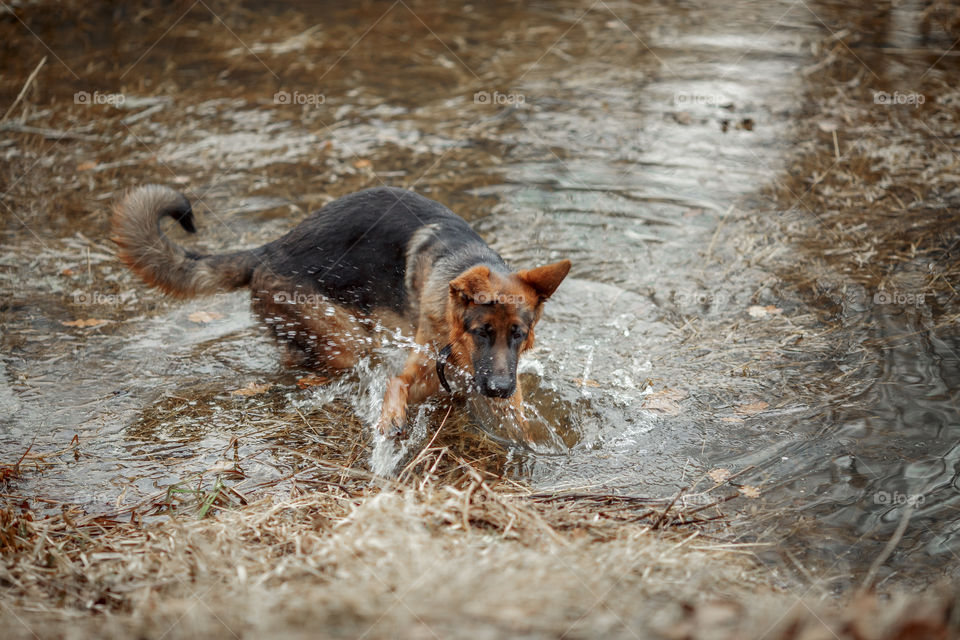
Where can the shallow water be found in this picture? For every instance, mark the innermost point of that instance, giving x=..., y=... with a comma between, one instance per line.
x=618, y=137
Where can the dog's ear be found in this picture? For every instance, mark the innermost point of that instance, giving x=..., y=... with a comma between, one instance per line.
x=545, y=280
x=473, y=285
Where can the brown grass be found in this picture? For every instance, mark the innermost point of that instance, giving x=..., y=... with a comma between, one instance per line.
x=447, y=549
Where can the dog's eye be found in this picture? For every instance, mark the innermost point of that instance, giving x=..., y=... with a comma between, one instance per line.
x=483, y=332
x=517, y=333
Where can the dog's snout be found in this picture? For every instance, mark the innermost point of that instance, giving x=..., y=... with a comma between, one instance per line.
x=499, y=386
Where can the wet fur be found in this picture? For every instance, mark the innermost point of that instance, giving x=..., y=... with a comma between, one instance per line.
x=381, y=256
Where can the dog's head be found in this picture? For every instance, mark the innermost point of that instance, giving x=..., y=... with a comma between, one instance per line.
x=491, y=317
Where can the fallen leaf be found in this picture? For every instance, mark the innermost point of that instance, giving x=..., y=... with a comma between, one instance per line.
x=362, y=163
x=586, y=383
x=663, y=405
x=222, y=465
x=752, y=408
x=311, y=381
x=731, y=419
x=67, y=272
x=749, y=491
x=758, y=311
x=89, y=322
x=719, y=475
x=665, y=401
x=86, y=166
x=827, y=126
x=203, y=317
x=252, y=389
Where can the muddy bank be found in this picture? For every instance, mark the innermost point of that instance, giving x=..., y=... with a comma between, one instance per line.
x=433, y=562
x=871, y=206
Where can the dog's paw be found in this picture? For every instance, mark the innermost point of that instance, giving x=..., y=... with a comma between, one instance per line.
x=393, y=415
x=392, y=427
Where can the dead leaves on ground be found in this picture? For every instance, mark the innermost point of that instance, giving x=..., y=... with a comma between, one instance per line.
x=665, y=401
x=752, y=408
x=312, y=380
x=84, y=323
x=758, y=311
x=306, y=382
x=199, y=317
x=721, y=475
x=255, y=389
x=204, y=317
x=252, y=389
x=583, y=382
x=746, y=410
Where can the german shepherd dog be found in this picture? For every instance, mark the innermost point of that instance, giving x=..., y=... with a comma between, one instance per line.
x=382, y=257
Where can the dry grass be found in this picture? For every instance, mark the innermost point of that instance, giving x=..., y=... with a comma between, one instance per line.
x=875, y=185
x=447, y=549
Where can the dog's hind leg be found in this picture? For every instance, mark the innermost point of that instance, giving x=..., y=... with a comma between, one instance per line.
x=316, y=332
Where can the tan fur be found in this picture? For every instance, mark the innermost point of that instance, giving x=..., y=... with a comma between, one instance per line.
x=546, y=279
x=478, y=285
x=161, y=263
x=320, y=333
x=441, y=321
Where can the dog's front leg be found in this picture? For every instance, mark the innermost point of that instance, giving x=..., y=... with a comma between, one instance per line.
x=417, y=382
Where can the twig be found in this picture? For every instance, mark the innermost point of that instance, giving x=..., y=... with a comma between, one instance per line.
x=716, y=232
x=420, y=456
x=888, y=549
x=663, y=515
x=23, y=91
x=54, y=134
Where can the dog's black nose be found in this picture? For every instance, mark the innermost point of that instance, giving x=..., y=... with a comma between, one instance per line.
x=499, y=386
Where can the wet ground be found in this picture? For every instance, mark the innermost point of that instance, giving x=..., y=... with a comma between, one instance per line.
x=655, y=145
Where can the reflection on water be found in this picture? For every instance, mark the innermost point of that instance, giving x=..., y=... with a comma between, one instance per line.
x=630, y=140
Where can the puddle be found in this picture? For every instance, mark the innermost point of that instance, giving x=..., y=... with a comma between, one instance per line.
x=620, y=138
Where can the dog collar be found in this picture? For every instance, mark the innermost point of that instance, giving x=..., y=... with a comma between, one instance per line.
x=441, y=363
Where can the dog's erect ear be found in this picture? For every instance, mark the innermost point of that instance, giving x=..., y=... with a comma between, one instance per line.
x=472, y=284
x=545, y=280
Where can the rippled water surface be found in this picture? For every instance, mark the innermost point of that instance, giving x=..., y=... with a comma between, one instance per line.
x=633, y=139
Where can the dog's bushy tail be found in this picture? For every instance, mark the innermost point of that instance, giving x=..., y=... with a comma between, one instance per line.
x=162, y=263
